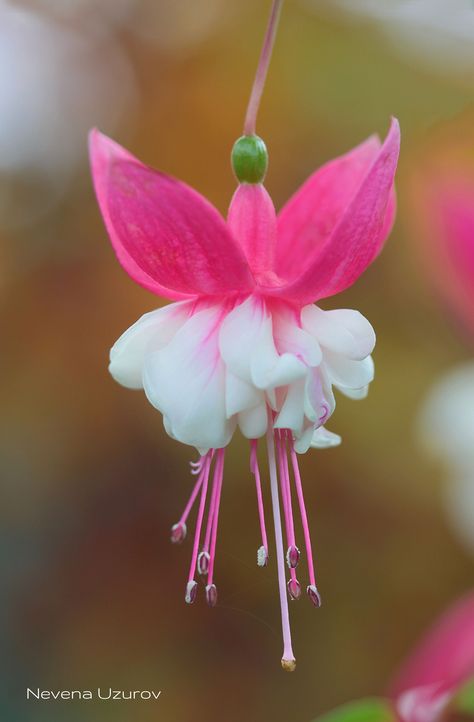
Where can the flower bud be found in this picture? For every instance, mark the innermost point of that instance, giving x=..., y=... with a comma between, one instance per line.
x=249, y=159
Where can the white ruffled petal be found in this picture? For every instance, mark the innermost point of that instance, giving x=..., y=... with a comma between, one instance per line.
x=347, y=373
x=324, y=439
x=302, y=442
x=291, y=338
x=240, y=395
x=238, y=335
x=355, y=394
x=186, y=382
x=268, y=368
x=151, y=332
x=291, y=415
x=253, y=422
x=341, y=331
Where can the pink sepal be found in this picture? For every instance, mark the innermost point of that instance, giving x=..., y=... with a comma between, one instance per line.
x=336, y=224
x=252, y=221
x=167, y=237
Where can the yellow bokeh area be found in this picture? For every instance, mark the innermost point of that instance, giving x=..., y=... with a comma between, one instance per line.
x=93, y=592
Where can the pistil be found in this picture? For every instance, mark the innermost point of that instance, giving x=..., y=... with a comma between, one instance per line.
x=288, y=661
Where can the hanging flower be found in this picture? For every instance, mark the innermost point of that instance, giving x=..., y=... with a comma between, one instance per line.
x=243, y=345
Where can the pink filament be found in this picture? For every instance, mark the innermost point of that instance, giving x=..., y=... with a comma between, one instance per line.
x=218, y=477
x=195, y=490
x=210, y=514
x=286, y=494
x=202, y=504
x=304, y=516
x=288, y=655
x=261, y=512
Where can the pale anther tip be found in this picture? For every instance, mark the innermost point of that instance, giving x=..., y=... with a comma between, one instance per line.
x=289, y=665
x=178, y=533
x=262, y=556
x=314, y=595
x=191, y=591
x=203, y=563
x=211, y=595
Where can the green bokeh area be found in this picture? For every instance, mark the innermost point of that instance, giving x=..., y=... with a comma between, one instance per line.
x=92, y=591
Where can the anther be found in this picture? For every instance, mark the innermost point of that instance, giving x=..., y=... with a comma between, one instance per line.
x=289, y=665
x=211, y=595
x=262, y=556
x=191, y=591
x=178, y=533
x=292, y=556
x=203, y=563
x=294, y=589
x=313, y=594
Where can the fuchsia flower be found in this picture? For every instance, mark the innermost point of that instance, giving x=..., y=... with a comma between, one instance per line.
x=243, y=345
x=439, y=666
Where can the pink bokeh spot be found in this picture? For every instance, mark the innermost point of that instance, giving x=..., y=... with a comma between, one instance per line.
x=441, y=663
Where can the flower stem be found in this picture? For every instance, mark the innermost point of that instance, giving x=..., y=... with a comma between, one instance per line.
x=262, y=69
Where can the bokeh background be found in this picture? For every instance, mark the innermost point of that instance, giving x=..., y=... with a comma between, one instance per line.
x=92, y=591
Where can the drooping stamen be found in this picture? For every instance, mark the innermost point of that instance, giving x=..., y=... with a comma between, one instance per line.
x=179, y=530
x=288, y=661
x=292, y=553
x=203, y=556
x=262, y=69
x=211, y=590
x=294, y=588
x=262, y=553
x=191, y=587
x=211, y=595
x=311, y=589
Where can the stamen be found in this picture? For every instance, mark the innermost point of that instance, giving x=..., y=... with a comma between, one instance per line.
x=288, y=661
x=211, y=595
x=178, y=533
x=203, y=563
x=218, y=477
x=204, y=557
x=191, y=587
x=294, y=589
x=293, y=553
x=179, y=530
x=311, y=589
x=191, y=591
x=262, y=553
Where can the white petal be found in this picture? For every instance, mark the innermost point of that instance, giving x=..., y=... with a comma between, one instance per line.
x=253, y=422
x=324, y=439
x=342, y=331
x=319, y=401
x=240, y=395
x=290, y=338
x=291, y=415
x=347, y=373
x=356, y=394
x=186, y=381
x=303, y=442
x=268, y=368
x=238, y=336
x=151, y=332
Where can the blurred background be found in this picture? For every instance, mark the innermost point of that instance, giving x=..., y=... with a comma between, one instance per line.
x=92, y=591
